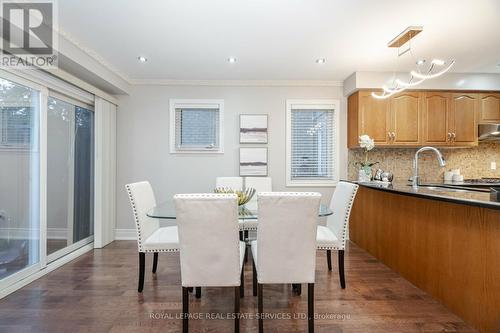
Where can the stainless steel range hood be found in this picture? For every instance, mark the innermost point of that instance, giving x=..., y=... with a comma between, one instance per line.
x=489, y=132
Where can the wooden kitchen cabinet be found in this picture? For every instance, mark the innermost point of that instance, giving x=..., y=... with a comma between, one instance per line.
x=450, y=119
x=370, y=116
x=489, y=108
x=406, y=112
x=436, y=115
x=388, y=121
x=463, y=125
x=417, y=118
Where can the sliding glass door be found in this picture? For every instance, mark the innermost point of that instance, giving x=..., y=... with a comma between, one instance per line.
x=70, y=175
x=46, y=174
x=19, y=178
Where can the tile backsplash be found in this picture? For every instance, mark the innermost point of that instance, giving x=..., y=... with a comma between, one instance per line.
x=472, y=162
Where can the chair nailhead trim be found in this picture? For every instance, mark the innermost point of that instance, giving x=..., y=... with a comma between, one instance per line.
x=207, y=196
x=161, y=250
x=289, y=194
x=138, y=225
x=136, y=218
x=346, y=221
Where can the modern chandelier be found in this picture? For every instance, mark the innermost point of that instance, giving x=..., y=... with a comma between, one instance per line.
x=436, y=68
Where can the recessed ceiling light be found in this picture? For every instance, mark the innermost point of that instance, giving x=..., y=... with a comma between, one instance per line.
x=320, y=61
x=231, y=60
x=420, y=62
x=142, y=59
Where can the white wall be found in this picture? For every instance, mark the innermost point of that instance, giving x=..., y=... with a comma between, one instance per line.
x=143, y=139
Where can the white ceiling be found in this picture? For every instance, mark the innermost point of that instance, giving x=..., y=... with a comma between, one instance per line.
x=279, y=39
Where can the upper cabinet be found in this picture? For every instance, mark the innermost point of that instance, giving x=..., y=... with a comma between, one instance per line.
x=388, y=121
x=416, y=118
x=406, y=113
x=489, y=106
x=463, y=124
x=436, y=118
x=374, y=118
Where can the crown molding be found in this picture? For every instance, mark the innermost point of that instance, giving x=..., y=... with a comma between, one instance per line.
x=93, y=54
x=238, y=83
x=221, y=83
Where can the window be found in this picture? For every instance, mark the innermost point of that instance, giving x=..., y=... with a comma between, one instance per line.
x=312, y=142
x=16, y=126
x=16, y=112
x=196, y=126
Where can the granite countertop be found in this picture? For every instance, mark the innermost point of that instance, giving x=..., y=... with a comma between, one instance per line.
x=469, y=197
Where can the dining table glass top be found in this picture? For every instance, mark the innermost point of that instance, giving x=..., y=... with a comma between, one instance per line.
x=166, y=210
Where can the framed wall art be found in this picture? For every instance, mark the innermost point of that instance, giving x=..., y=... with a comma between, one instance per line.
x=253, y=162
x=253, y=128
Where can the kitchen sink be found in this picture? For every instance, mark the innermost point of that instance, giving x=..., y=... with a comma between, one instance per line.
x=449, y=188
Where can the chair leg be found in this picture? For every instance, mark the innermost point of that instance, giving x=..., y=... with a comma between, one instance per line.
x=341, y=269
x=155, y=262
x=310, y=307
x=242, y=284
x=198, y=292
x=329, y=259
x=185, y=309
x=254, y=284
x=142, y=267
x=245, y=238
x=237, y=295
x=260, y=308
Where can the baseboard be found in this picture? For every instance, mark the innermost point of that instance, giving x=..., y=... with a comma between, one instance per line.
x=49, y=268
x=125, y=234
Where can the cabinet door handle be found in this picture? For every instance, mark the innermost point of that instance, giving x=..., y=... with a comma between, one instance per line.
x=393, y=135
x=389, y=135
x=448, y=136
x=454, y=136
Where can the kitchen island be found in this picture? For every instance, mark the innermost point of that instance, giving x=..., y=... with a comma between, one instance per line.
x=446, y=243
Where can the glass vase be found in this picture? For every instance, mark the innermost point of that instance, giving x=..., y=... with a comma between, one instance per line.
x=365, y=174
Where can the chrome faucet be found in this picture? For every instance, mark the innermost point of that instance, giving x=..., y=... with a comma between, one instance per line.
x=415, y=181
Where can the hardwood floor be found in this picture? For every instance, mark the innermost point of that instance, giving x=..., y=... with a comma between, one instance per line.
x=98, y=293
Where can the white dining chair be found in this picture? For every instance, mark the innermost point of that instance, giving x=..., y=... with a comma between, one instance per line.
x=151, y=238
x=333, y=236
x=260, y=184
x=210, y=252
x=285, y=249
x=235, y=183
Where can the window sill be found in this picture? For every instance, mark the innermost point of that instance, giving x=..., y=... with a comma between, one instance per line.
x=308, y=183
x=199, y=152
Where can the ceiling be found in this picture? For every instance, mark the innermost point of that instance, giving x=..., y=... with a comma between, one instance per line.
x=279, y=39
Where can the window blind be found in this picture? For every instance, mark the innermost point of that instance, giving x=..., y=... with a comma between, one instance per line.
x=15, y=126
x=197, y=128
x=312, y=144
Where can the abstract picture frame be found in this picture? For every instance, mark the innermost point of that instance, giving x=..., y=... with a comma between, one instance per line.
x=253, y=161
x=254, y=128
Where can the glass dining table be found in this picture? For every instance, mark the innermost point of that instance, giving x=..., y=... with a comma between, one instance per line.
x=166, y=210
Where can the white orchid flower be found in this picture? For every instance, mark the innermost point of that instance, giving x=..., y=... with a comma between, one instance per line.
x=366, y=142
